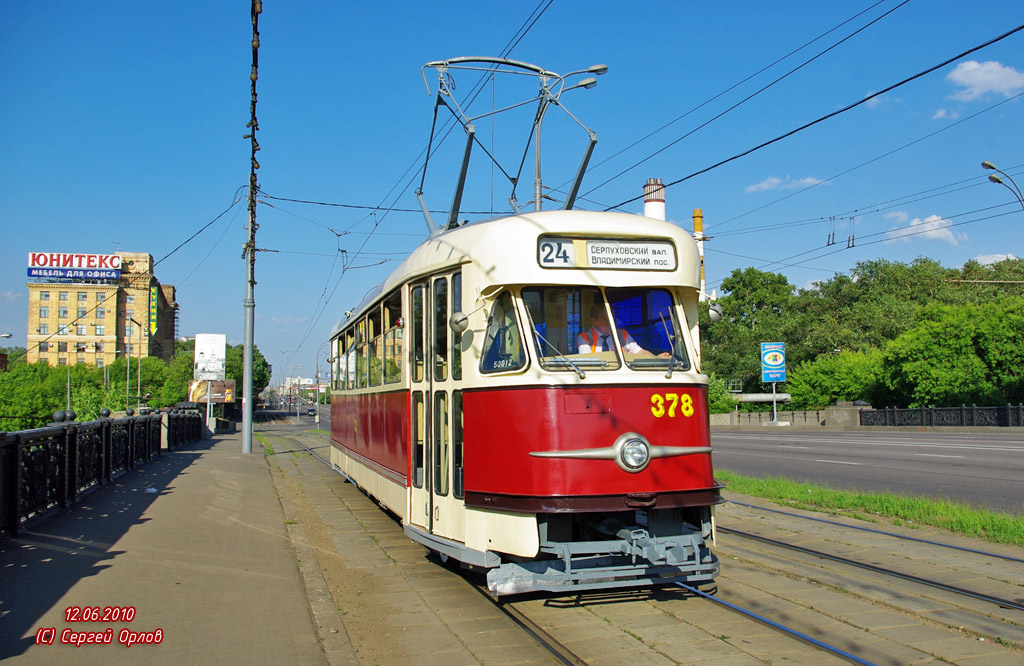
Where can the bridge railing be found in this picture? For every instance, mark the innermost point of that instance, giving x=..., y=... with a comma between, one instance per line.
x=1007, y=416
x=47, y=470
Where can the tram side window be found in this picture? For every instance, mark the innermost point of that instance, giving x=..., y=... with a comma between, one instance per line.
x=417, y=437
x=503, y=349
x=441, y=452
x=456, y=337
x=440, y=329
x=337, y=364
x=416, y=336
x=362, y=357
x=393, y=338
x=376, y=351
x=350, y=358
x=459, y=481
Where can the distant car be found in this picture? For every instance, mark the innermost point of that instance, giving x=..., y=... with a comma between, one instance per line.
x=311, y=411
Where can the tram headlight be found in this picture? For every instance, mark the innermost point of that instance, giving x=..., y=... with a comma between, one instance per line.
x=635, y=454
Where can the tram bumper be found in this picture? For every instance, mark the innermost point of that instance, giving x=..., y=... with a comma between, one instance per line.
x=633, y=559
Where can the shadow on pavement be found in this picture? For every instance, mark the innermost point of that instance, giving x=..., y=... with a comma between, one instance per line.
x=39, y=567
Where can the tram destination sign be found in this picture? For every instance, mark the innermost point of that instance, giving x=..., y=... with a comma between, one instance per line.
x=634, y=255
x=70, y=265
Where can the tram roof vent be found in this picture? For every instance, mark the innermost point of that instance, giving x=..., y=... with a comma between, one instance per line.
x=654, y=199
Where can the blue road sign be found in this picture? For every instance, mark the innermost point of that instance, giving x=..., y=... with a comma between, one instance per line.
x=773, y=362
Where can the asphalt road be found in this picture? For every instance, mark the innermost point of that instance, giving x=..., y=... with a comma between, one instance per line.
x=985, y=469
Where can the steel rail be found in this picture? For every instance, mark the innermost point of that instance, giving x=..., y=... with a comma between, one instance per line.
x=883, y=532
x=775, y=625
x=876, y=569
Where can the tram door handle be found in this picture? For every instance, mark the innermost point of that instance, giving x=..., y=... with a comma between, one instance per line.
x=437, y=513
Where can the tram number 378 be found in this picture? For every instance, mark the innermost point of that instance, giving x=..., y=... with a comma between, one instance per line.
x=671, y=405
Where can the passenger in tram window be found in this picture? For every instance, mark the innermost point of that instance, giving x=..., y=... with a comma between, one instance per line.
x=598, y=337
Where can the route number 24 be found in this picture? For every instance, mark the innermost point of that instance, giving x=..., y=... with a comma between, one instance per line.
x=555, y=252
x=670, y=404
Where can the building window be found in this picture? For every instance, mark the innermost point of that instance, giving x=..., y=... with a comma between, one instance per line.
x=101, y=330
x=80, y=329
x=98, y=346
x=83, y=296
x=130, y=298
x=80, y=347
x=44, y=312
x=62, y=329
x=129, y=314
x=62, y=312
x=44, y=329
x=62, y=361
x=131, y=348
x=81, y=312
x=44, y=295
x=63, y=295
x=101, y=313
x=44, y=347
x=99, y=363
x=62, y=347
x=81, y=360
x=100, y=296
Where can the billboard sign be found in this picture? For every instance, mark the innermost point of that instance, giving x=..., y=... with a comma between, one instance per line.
x=210, y=356
x=154, y=294
x=74, y=266
x=773, y=362
x=204, y=391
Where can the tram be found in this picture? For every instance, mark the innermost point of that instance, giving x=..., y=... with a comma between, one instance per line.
x=525, y=394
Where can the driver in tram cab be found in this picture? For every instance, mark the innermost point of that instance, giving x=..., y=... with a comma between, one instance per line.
x=598, y=337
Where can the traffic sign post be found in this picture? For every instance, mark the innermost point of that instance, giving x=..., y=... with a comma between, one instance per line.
x=773, y=369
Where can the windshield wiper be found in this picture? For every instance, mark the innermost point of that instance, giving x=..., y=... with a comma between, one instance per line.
x=560, y=355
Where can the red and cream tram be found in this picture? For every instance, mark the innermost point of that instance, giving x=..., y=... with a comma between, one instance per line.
x=525, y=393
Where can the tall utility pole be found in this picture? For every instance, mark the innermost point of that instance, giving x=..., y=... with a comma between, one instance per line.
x=250, y=246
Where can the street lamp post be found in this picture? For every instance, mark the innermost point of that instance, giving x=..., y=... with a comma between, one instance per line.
x=996, y=179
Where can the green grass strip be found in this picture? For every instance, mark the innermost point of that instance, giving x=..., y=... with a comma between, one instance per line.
x=902, y=510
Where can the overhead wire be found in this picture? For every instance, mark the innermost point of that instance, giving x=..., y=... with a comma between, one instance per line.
x=828, y=116
x=757, y=92
x=528, y=24
x=870, y=161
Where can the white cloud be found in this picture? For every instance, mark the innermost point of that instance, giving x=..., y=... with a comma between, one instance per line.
x=943, y=113
x=932, y=227
x=10, y=296
x=774, y=183
x=766, y=184
x=979, y=79
x=897, y=215
x=989, y=259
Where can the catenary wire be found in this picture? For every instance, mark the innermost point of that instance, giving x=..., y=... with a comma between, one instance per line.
x=828, y=116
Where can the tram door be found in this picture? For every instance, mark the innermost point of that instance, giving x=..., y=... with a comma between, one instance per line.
x=436, y=497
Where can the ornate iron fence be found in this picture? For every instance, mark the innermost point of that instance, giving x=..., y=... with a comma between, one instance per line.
x=1008, y=416
x=46, y=470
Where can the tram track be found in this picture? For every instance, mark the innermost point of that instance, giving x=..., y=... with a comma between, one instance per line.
x=1004, y=603
x=749, y=588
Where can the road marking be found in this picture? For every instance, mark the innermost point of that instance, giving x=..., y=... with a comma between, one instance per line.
x=837, y=462
x=936, y=455
x=783, y=446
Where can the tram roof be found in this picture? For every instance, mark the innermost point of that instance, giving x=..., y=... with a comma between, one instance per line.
x=505, y=250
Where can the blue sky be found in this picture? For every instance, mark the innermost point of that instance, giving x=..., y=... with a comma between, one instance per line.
x=121, y=125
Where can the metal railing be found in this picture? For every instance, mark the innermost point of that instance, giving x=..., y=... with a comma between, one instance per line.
x=1008, y=416
x=46, y=470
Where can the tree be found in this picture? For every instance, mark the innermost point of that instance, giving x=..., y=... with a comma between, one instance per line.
x=719, y=399
x=833, y=377
x=959, y=355
x=260, y=368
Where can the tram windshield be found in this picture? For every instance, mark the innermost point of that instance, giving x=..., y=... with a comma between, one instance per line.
x=584, y=328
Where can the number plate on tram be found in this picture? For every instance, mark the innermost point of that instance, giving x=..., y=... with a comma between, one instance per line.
x=637, y=255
